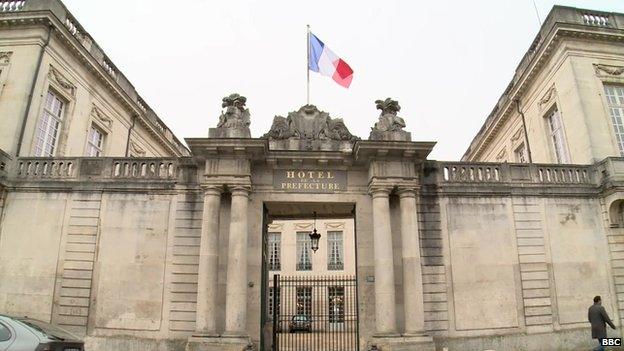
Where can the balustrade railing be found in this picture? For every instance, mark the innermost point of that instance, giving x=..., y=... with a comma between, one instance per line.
x=475, y=173
x=47, y=168
x=94, y=169
x=465, y=172
x=144, y=168
x=595, y=19
x=11, y=5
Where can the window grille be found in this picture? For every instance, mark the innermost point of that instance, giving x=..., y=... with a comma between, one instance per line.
x=335, y=261
x=304, y=246
x=557, y=137
x=272, y=295
x=304, y=300
x=521, y=154
x=95, y=142
x=615, y=100
x=336, y=303
x=49, y=126
x=274, y=251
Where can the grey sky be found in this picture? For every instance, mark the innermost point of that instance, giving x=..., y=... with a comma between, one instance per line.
x=447, y=62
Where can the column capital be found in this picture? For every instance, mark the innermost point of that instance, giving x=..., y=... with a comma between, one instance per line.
x=407, y=191
x=212, y=189
x=377, y=190
x=239, y=189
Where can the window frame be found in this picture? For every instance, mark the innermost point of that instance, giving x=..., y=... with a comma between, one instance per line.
x=100, y=150
x=307, y=299
x=60, y=119
x=299, y=265
x=275, y=265
x=618, y=137
x=339, y=265
x=523, y=154
x=560, y=156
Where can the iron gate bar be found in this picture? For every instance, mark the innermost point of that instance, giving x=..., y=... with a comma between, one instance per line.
x=324, y=308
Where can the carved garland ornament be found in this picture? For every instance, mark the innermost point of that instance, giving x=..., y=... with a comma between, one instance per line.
x=5, y=57
x=609, y=70
x=501, y=155
x=100, y=117
x=135, y=149
x=517, y=135
x=62, y=81
x=548, y=96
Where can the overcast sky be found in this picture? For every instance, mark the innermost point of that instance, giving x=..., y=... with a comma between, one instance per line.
x=446, y=62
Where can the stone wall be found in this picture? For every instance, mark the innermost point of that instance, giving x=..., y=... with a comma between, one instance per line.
x=511, y=254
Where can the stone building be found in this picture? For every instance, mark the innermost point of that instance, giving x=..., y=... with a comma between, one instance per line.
x=61, y=96
x=172, y=252
x=569, y=90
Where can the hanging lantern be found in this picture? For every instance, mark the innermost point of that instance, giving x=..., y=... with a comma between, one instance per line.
x=315, y=236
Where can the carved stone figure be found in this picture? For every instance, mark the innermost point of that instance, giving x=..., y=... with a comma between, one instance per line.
x=390, y=126
x=309, y=123
x=234, y=120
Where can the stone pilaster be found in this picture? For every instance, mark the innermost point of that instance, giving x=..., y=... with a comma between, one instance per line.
x=385, y=307
x=208, y=263
x=412, y=272
x=236, y=288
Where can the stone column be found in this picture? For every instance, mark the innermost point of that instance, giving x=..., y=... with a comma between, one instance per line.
x=385, y=314
x=412, y=272
x=236, y=288
x=208, y=263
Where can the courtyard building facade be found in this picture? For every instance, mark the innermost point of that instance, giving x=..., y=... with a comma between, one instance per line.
x=185, y=249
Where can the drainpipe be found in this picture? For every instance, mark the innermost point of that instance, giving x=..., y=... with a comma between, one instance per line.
x=526, y=135
x=134, y=117
x=32, y=91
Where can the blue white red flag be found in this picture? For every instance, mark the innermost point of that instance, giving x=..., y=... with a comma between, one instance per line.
x=326, y=62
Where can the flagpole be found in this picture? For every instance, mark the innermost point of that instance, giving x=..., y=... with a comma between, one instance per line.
x=308, y=66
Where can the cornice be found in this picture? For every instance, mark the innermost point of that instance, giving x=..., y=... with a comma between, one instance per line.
x=554, y=37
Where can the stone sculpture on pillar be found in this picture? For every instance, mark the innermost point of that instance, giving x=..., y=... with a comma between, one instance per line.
x=390, y=126
x=234, y=120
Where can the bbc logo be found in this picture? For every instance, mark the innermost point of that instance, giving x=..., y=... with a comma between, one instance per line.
x=611, y=342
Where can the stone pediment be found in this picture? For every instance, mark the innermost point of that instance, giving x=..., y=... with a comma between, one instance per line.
x=309, y=129
x=309, y=123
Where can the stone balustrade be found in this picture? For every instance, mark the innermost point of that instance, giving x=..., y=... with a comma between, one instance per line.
x=488, y=173
x=94, y=169
x=11, y=5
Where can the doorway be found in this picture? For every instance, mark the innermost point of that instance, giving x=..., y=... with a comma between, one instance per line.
x=309, y=287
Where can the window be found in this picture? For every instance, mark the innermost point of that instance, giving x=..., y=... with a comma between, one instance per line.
x=49, y=126
x=336, y=295
x=521, y=154
x=304, y=245
x=274, y=243
x=271, y=298
x=557, y=137
x=335, y=260
x=304, y=300
x=5, y=333
x=95, y=143
x=615, y=100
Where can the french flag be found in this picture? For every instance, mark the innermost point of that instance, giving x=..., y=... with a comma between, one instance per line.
x=325, y=62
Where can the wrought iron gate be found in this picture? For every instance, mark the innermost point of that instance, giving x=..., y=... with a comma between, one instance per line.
x=314, y=313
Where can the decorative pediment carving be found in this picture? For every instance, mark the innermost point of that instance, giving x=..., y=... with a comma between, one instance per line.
x=303, y=226
x=517, y=135
x=276, y=226
x=335, y=225
x=548, y=97
x=97, y=114
x=5, y=57
x=501, y=155
x=609, y=70
x=309, y=123
x=136, y=149
x=57, y=77
x=389, y=126
x=234, y=120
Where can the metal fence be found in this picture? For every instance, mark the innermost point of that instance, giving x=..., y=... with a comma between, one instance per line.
x=312, y=313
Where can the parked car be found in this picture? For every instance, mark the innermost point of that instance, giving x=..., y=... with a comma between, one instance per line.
x=300, y=322
x=25, y=334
